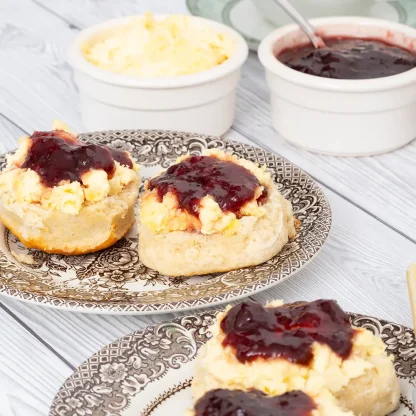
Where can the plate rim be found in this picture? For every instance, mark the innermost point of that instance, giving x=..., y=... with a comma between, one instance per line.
x=137, y=308
x=109, y=311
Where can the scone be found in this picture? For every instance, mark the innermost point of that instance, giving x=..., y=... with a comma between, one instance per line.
x=223, y=402
x=66, y=197
x=212, y=213
x=310, y=347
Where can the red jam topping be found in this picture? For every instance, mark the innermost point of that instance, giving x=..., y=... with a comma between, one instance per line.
x=58, y=156
x=230, y=185
x=346, y=58
x=254, y=403
x=287, y=331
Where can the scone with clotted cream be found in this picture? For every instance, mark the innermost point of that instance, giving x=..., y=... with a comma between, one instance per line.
x=63, y=196
x=224, y=402
x=212, y=213
x=311, y=347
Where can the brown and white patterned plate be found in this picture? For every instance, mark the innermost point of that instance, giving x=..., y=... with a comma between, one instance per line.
x=115, y=281
x=148, y=373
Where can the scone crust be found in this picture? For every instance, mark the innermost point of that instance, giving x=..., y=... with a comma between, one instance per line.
x=375, y=393
x=181, y=253
x=96, y=227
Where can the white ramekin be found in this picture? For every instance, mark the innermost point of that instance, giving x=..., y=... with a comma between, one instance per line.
x=341, y=117
x=201, y=103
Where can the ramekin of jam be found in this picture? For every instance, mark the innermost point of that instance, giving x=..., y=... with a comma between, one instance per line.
x=354, y=97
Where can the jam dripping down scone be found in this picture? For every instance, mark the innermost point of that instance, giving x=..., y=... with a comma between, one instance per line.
x=66, y=197
x=310, y=347
x=212, y=213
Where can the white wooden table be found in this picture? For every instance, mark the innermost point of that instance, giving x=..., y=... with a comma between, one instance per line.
x=373, y=199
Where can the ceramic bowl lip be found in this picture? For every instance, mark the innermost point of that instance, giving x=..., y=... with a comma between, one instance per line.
x=79, y=62
x=273, y=65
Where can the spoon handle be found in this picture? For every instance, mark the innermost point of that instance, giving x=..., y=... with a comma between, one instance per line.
x=301, y=21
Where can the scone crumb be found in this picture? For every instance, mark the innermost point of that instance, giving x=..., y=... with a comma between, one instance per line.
x=23, y=258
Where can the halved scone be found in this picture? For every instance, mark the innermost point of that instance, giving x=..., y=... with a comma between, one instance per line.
x=212, y=213
x=306, y=346
x=62, y=196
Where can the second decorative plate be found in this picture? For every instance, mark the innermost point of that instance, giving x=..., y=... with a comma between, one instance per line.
x=149, y=372
x=115, y=281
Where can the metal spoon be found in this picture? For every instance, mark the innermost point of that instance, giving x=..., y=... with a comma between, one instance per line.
x=302, y=22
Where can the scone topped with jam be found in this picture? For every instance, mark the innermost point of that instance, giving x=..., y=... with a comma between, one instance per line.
x=224, y=402
x=306, y=346
x=212, y=213
x=63, y=196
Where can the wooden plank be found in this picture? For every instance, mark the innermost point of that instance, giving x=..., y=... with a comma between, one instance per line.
x=36, y=81
x=30, y=374
x=382, y=185
x=78, y=12
x=77, y=336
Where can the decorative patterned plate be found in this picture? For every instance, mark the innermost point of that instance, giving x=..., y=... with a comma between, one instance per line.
x=246, y=18
x=115, y=281
x=148, y=373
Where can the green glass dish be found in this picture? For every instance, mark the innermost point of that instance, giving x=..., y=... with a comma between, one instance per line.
x=254, y=19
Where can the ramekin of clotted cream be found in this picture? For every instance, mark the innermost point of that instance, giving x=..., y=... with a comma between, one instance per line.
x=147, y=47
x=170, y=72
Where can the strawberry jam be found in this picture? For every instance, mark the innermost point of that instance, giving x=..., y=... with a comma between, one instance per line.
x=58, y=156
x=254, y=403
x=287, y=331
x=346, y=58
x=230, y=185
